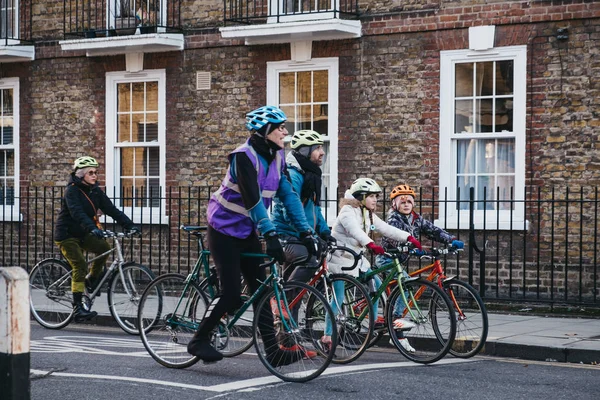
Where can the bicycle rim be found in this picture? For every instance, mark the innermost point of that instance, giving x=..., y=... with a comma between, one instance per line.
x=292, y=350
x=124, y=295
x=430, y=309
x=51, y=303
x=232, y=339
x=354, y=332
x=169, y=314
x=471, y=319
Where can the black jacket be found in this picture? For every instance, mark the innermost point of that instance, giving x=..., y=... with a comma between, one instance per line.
x=76, y=216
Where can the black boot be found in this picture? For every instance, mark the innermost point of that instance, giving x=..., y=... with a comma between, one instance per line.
x=80, y=313
x=200, y=347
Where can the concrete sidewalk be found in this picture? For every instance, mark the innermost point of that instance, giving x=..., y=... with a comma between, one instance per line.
x=542, y=338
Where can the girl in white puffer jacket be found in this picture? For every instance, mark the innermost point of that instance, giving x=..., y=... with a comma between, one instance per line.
x=353, y=228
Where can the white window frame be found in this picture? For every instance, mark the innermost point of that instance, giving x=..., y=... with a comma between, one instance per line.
x=147, y=214
x=332, y=66
x=11, y=213
x=450, y=216
x=14, y=37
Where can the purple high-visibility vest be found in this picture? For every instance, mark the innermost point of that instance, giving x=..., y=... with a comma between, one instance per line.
x=226, y=211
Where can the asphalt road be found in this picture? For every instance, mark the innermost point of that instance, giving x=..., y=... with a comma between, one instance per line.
x=99, y=363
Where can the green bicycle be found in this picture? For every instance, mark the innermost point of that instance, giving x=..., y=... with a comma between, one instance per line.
x=173, y=305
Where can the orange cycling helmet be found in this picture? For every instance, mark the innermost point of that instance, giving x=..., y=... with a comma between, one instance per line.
x=401, y=190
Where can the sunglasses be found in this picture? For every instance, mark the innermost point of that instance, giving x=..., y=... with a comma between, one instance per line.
x=92, y=173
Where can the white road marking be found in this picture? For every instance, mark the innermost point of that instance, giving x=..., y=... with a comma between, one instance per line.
x=248, y=383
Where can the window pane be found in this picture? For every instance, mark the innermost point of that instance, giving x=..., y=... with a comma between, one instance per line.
x=464, y=184
x=504, y=115
x=286, y=87
x=304, y=87
x=486, y=158
x=153, y=161
x=138, y=127
x=484, y=78
x=151, y=96
x=321, y=86
x=320, y=118
x=506, y=186
x=137, y=96
x=127, y=190
x=291, y=121
x=124, y=128
x=154, y=192
x=506, y=156
x=152, y=132
x=463, y=117
x=504, y=77
x=127, y=162
x=139, y=162
x=7, y=102
x=466, y=156
x=123, y=97
x=464, y=80
x=304, y=117
x=484, y=115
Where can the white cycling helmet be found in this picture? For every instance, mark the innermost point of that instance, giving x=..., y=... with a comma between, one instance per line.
x=363, y=186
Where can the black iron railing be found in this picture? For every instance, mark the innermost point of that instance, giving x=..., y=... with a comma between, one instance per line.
x=264, y=11
x=15, y=22
x=100, y=18
x=549, y=257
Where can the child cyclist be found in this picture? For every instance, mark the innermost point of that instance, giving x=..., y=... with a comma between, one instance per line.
x=354, y=228
x=402, y=216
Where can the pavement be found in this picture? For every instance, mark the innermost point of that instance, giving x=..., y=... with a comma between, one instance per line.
x=541, y=338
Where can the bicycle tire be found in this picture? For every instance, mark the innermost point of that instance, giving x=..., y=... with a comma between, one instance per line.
x=237, y=339
x=51, y=306
x=124, y=296
x=432, y=337
x=299, y=343
x=471, y=318
x=164, y=332
x=354, y=333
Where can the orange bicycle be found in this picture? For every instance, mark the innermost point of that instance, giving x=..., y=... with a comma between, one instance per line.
x=471, y=314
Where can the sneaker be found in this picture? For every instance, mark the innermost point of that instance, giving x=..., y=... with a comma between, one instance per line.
x=406, y=346
x=300, y=350
x=201, y=348
x=379, y=323
x=403, y=324
x=275, y=309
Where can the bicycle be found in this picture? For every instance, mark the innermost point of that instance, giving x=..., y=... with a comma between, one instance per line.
x=354, y=330
x=173, y=305
x=471, y=313
x=424, y=304
x=51, y=296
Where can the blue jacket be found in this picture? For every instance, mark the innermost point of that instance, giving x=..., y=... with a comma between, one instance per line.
x=313, y=213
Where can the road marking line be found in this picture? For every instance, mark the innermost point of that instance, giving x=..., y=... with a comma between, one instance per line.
x=248, y=383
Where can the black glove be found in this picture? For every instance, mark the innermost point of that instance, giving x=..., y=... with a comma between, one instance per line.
x=326, y=236
x=99, y=233
x=311, y=243
x=135, y=230
x=274, y=248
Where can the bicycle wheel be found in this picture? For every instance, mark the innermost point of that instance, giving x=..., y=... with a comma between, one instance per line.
x=124, y=292
x=354, y=331
x=291, y=351
x=430, y=309
x=169, y=313
x=471, y=318
x=231, y=339
x=51, y=298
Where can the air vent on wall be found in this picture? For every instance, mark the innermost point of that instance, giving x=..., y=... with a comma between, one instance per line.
x=202, y=80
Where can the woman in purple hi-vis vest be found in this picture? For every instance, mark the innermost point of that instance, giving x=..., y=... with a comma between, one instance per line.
x=236, y=211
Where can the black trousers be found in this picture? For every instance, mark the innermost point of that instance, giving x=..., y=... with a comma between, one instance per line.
x=226, y=252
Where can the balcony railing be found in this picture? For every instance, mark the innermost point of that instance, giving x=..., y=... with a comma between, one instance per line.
x=273, y=11
x=101, y=18
x=15, y=22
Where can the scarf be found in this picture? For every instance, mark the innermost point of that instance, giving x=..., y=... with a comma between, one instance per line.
x=311, y=188
x=265, y=148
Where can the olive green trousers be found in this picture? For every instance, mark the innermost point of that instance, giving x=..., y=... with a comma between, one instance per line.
x=72, y=249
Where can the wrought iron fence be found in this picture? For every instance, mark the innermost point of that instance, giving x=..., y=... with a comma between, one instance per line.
x=100, y=18
x=15, y=22
x=550, y=256
x=263, y=11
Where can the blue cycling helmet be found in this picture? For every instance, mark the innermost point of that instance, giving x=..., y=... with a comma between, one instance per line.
x=259, y=118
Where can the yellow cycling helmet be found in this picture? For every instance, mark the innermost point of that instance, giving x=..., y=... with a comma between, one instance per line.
x=84, y=162
x=306, y=137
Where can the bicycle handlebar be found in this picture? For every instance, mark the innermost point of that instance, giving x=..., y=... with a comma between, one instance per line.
x=110, y=234
x=409, y=249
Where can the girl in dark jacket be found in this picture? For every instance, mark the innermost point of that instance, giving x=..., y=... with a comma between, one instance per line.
x=78, y=229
